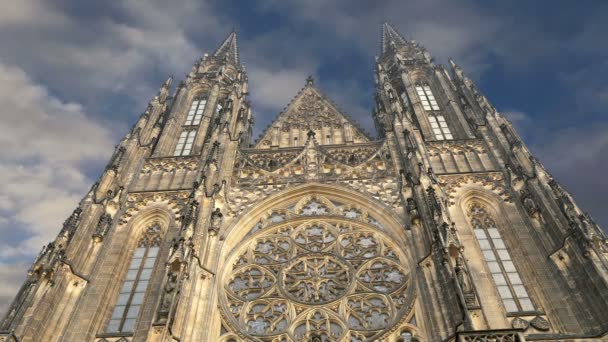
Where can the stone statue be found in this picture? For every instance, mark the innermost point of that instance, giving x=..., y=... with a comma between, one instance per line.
x=216, y=221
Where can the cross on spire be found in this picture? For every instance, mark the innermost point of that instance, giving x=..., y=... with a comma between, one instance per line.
x=310, y=80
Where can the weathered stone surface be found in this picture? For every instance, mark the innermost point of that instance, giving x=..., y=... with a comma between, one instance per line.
x=444, y=227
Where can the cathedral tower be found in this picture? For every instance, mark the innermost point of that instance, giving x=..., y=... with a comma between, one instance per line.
x=442, y=228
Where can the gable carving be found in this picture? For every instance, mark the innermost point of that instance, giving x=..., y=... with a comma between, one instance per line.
x=309, y=111
x=312, y=113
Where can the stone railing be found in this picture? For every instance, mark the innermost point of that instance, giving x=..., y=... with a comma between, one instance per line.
x=490, y=336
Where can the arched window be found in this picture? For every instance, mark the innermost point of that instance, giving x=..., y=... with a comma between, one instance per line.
x=196, y=112
x=440, y=128
x=506, y=278
x=134, y=286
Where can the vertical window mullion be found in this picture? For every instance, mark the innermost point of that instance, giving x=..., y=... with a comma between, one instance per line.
x=487, y=235
x=127, y=309
x=502, y=267
x=135, y=283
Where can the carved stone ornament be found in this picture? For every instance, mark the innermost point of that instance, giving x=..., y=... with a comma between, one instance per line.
x=520, y=323
x=540, y=323
x=493, y=181
x=172, y=200
x=321, y=278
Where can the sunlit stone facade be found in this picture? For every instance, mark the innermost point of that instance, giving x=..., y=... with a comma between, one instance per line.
x=441, y=228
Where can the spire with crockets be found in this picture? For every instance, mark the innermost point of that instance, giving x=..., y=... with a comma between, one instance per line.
x=390, y=36
x=394, y=44
x=229, y=49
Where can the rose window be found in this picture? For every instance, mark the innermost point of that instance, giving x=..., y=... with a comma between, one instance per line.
x=324, y=279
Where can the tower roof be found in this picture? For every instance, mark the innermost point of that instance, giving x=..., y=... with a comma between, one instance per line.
x=229, y=49
x=391, y=36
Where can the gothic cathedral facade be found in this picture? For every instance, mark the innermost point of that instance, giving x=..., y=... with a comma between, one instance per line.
x=443, y=227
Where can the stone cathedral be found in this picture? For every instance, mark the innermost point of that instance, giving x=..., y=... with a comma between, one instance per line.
x=442, y=227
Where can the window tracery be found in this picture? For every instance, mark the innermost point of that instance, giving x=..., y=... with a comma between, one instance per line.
x=314, y=206
x=133, y=290
x=510, y=287
x=184, y=143
x=327, y=278
x=196, y=112
x=426, y=97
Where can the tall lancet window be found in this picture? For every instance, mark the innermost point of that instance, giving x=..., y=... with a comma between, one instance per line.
x=440, y=128
x=196, y=112
x=508, y=282
x=134, y=286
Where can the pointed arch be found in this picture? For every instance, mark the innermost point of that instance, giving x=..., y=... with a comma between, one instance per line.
x=486, y=217
x=384, y=215
x=319, y=255
x=143, y=240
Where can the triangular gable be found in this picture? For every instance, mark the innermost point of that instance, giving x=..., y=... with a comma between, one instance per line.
x=311, y=110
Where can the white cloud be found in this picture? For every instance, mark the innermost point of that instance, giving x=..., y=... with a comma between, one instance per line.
x=46, y=146
x=28, y=13
x=11, y=278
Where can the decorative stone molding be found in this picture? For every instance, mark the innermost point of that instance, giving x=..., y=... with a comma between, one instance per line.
x=136, y=202
x=493, y=181
x=170, y=164
x=436, y=148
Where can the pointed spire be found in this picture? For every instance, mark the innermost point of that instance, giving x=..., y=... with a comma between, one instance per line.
x=229, y=49
x=390, y=36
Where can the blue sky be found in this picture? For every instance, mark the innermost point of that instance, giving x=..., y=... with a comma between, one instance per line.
x=74, y=75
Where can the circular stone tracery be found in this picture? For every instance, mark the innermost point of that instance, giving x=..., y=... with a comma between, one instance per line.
x=324, y=277
x=316, y=278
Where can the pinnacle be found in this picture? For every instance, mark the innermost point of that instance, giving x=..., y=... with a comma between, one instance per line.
x=229, y=48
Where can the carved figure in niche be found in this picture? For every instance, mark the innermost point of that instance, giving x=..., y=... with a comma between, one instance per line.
x=529, y=204
x=412, y=209
x=462, y=276
x=169, y=288
x=216, y=221
x=103, y=225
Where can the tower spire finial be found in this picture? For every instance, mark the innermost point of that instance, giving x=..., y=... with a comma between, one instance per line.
x=229, y=48
x=310, y=80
